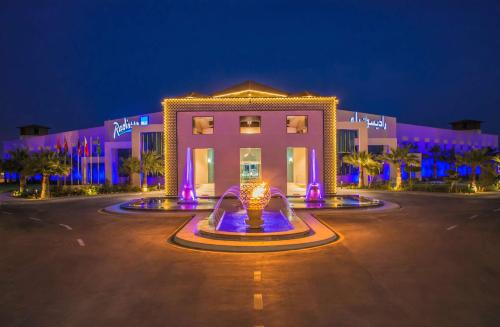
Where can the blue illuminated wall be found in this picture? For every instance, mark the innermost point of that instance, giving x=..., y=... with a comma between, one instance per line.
x=428, y=168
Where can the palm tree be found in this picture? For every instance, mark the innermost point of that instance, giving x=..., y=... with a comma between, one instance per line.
x=436, y=154
x=398, y=157
x=19, y=162
x=48, y=163
x=496, y=159
x=362, y=160
x=130, y=166
x=412, y=165
x=151, y=163
x=475, y=158
x=453, y=178
x=2, y=166
x=373, y=169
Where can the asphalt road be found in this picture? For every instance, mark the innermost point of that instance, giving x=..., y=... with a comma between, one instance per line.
x=434, y=262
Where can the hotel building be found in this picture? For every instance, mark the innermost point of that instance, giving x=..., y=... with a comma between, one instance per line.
x=247, y=131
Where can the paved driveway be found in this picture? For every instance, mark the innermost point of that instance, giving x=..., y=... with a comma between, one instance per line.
x=434, y=262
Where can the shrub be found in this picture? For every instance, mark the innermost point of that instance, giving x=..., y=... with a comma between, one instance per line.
x=440, y=187
x=78, y=190
x=488, y=179
x=27, y=193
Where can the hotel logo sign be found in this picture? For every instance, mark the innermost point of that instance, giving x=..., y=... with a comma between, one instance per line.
x=377, y=124
x=121, y=128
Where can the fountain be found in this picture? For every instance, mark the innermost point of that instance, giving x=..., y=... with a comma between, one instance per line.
x=188, y=193
x=253, y=217
x=314, y=192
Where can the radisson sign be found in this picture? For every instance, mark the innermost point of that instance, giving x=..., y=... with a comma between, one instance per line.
x=121, y=128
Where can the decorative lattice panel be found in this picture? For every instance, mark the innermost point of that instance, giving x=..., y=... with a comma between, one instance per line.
x=326, y=104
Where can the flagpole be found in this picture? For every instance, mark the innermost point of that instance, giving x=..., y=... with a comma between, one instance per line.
x=65, y=160
x=78, y=164
x=71, y=176
x=98, y=155
x=91, y=154
x=98, y=172
x=85, y=165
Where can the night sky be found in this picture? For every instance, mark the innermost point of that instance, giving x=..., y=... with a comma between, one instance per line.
x=73, y=63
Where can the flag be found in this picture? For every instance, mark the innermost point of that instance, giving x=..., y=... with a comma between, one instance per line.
x=85, y=147
x=79, y=148
x=58, y=146
x=98, y=147
x=65, y=145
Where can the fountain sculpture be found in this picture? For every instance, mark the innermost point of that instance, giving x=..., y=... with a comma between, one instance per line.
x=255, y=197
x=188, y=193
x=314, y=192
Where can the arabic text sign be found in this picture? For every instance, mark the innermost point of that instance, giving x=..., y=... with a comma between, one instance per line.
x=377, y=124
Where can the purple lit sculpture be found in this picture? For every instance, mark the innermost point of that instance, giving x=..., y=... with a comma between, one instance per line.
x=188, y=194
x=314, y=191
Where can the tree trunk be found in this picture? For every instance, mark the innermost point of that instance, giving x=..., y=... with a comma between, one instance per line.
x=43, y=193
x=435, y=170
x=361, y=179
x=22, y=183
x=398, y=177
x=473, y=178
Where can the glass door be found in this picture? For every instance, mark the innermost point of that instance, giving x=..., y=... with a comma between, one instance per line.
x=296, y=163
x=250, y=164
x=204, y=171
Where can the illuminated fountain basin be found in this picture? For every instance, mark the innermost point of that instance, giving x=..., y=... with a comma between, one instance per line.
x=351, y=201
x=273, y=221
x=249, y=212
x=253, y=218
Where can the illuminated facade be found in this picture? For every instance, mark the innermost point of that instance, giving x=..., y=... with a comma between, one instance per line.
x=248, y=131
x=254, y=121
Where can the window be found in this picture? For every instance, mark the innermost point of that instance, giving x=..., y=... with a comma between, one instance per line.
x=376, y=149
x=250, y=164
x=296, y=124
x=152, y=141
x=123, y=154
x=346, y=140
x=249, y=124
x=346, y=143
x=203, y=125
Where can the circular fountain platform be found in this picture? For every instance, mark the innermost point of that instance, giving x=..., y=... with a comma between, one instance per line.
x=307, y=232
x=276, y=226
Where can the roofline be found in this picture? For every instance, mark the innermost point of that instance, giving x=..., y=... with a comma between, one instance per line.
x=282, y=95
x=465, y=120
x=249, y=99
x=34, y=125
